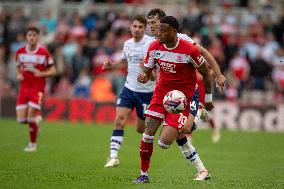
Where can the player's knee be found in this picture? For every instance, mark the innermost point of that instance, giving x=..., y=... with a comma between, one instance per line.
x=22, y=120
x=151, y=126
x=140, y=128
x=31, y=120
x=120, y=122
x=163, y=144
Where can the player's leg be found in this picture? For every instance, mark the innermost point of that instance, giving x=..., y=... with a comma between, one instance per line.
x=122, y=115
x=123, y=110
x=21, y=111
x=140, y=125
x=189, y=121
x=142, y=101
x=186, y=147
x=33, y=129
x=34, y=105
x=155, y=114
x=146, y=148
x=191, y=155
x=22, y=106
x=206, y=116
x=167, y=135
x=216, y=135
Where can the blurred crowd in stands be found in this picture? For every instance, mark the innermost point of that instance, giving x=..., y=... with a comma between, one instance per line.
x=247, y=45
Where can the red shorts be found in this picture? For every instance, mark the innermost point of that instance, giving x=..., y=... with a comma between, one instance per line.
x=157, y=111
x=29, y=97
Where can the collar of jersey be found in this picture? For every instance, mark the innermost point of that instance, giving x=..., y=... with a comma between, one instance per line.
x=32, y=52
x=173, y=47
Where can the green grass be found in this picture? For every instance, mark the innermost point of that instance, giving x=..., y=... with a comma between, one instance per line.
x=72, y=156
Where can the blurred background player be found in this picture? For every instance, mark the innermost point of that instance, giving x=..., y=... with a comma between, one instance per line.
x=177, y=60
x=134, y=94
x=34, y=63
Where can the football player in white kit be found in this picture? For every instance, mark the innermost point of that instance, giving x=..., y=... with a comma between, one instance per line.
x=134, y=94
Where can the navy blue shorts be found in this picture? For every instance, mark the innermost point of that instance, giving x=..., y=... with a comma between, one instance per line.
x=194, y=103
x=130, y=99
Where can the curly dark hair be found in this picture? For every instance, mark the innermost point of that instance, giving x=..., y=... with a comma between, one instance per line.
x=172, y=21
x=156, y=12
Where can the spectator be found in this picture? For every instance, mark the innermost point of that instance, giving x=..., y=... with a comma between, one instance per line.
x=101, y=89
x=260, y=71
x=82, y=84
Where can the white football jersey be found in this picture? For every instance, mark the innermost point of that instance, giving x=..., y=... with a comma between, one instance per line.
x=133, y=53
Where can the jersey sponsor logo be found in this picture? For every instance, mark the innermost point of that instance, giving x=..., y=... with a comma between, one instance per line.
x=35, y=59
x=168, y=67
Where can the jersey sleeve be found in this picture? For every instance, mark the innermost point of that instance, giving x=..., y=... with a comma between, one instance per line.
x=17, y=61
x=124, y=57
x=145, y=48
x=186, y=37
x=197, y=58
x=49, y=59
x=150, y=57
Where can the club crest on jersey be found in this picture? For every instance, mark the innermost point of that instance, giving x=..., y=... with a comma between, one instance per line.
x=157, y=55
x=179, y=58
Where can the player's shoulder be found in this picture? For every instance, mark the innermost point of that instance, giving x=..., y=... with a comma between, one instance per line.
x=185, y=37
x=42, y=48
x=21, y=49
x=155, y=44
x=148, y=38
x=129, y=42
x=188, y=47
x=186, y=43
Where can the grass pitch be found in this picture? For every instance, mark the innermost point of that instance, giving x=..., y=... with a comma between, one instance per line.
x=73, y=155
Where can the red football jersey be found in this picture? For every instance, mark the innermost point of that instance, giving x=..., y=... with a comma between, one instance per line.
x=40, y=59
x=177, y=65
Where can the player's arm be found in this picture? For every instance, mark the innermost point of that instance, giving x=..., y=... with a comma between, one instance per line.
x=153, y=75
x=149, y=66
x=200, y=64
x=19, y=74
x=144, y=76
x=204, y=71
x=108, y=65
x=220, y=78
x=49, y=72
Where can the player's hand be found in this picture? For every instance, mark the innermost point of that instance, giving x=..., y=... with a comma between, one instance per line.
x=142, y=78
x=209, y=106
x=35, y=71
x=106, y=65
x=220, y=82
x=20, y=77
